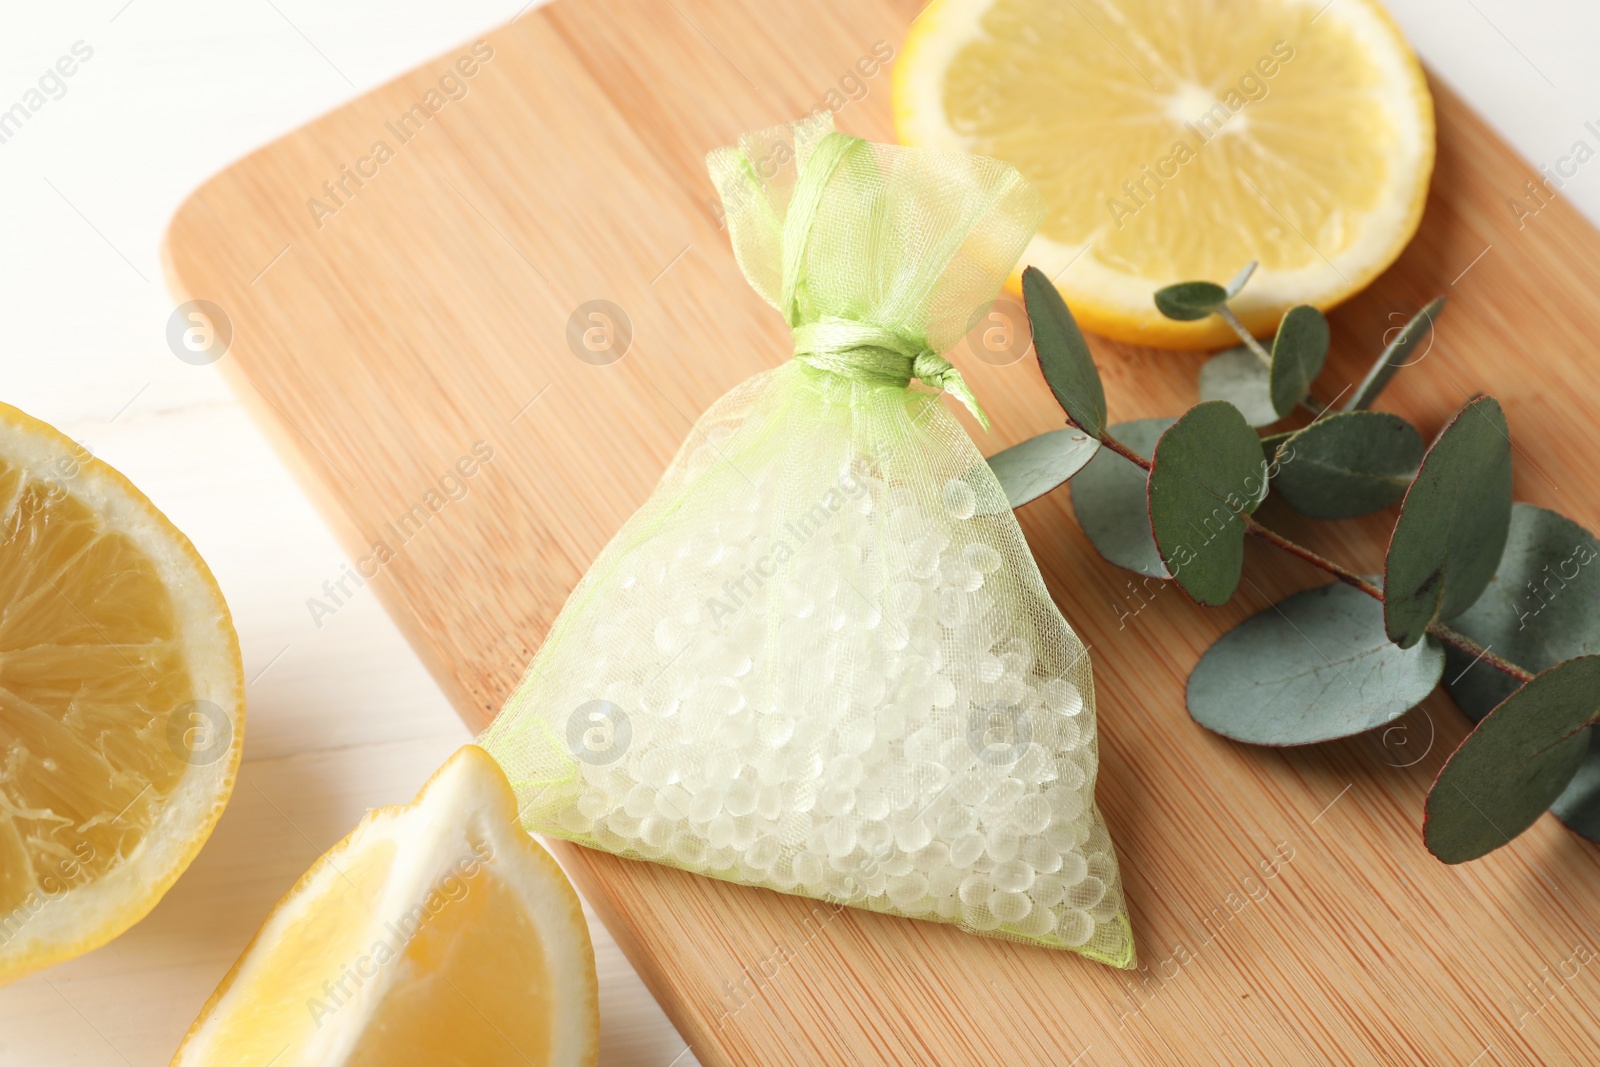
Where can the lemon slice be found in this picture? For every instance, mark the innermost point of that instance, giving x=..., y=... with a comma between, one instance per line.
x=436, y=933
x=121, y=700
x=1178, y=141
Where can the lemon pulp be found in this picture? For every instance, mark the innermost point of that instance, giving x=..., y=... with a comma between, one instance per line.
x=1177, y=141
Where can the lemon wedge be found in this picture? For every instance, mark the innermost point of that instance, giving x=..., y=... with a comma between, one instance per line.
x=121, y=700
x=1178, y=141
x=436, y=933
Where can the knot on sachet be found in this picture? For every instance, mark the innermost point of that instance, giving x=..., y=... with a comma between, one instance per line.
x=862, y=352
x=855, y=350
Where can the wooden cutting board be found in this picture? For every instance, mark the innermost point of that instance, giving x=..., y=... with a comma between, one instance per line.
x=1284, y=908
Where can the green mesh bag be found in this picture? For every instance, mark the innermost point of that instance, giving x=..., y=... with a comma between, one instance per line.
x=820, y=658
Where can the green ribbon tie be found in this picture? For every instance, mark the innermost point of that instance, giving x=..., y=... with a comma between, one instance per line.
x=858, y=351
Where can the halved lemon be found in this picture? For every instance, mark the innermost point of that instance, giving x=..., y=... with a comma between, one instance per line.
x=121, y=700
x=437, y=933
x=1178, y=141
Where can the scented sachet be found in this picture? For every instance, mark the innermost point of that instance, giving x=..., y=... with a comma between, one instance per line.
x=821, y=658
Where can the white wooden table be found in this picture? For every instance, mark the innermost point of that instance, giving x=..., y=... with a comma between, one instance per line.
x=342, y=716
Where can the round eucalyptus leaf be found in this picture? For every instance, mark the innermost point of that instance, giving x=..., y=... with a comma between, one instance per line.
x=1206, y=472
x=1064, y=356
x=1108, y=497
x=1541, y=607
x=1400, y=352
x=1298, y=352
x=1347, y=464
x=1453, y=525
x=1315, y=667
x=1578, y=806
x=1188, y=301
x=1239, y=377
x=1519, y=760
x=1031, y=469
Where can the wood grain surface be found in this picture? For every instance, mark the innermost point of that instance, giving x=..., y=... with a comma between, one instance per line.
x=1284, y=908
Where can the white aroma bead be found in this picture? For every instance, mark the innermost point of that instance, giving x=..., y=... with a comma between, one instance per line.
x=840, y=836
x=1062, y=696
x=1038, y=854
x=953, y=822
x=959, y=499
x=1001, y=846
x=657, y=832
x=1047, y=891
x=705, y=804
x=1107, y=910
x=1072, y=869
x=740, y=798
x=574, y=821
x=688, y=849
x=843, y=772
x=809, y=869
x=1074, y=927
x=1031, y=814
x=1065, y=836
x=1005, y=795
x=912, y=834
x=922, y=558
x=720, y=767
x=1069, y=735
x=856, y=736
x=966, y=848
x=835, y=800
x=960, y=577
x=971, y=787
x=1087, y=893
x=952, y=608
x=979, y=917
x=945, y=881
x=898, y=863
x=1009, y=907
x=769, y=802
x=764, y=853
x=799, y=797
x=981, y=558
x=874, y=836
x=1012, y=876
x=1066, y=802
x=670, y=636
x=874, y=802
x=975, y=889
x=594, y=804
x=907, y=889
x=720, y=831
x=1040, y=922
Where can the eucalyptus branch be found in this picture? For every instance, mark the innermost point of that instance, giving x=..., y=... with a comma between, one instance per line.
x=1439, y=630
x=1124, y=451
x=1225, y=313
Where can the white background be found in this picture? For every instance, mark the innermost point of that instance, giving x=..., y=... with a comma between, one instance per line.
x=343, y=718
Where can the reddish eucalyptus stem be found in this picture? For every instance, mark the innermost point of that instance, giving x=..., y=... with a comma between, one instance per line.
x=1272, y=537
x=1438, y=629
x=1466, y=644
x=1125, y=452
